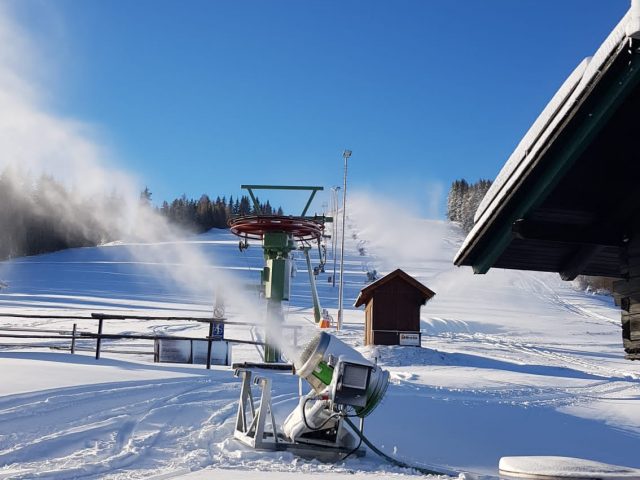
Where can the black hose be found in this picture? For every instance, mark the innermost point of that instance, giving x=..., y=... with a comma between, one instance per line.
x=304, y=417
x=361, y=430
x=395, y=461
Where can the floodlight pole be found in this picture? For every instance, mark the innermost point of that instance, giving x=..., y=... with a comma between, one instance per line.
x=334, y=239
x=346, y=154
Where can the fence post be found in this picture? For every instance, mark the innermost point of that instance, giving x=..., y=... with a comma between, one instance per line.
x=73, y=339
x=99, y=338
x=209, y=340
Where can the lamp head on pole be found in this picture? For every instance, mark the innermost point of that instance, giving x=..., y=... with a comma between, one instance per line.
x=346, y=154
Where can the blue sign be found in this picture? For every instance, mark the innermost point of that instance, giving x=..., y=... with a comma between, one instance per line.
x=218, y=329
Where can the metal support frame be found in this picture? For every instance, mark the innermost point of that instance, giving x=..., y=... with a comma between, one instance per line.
x=252, y=430
x=334, y=232
x=346, y=154
x=314, y=292
x=312, y=189
x=251, y=423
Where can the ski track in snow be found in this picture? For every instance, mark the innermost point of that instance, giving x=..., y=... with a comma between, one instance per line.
x=106, y=430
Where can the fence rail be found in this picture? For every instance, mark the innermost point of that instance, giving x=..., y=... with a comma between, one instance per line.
x=74, y=334
x=123, y=336
x=109, y=316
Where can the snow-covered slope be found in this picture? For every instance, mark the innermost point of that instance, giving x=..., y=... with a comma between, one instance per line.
x=513, y=363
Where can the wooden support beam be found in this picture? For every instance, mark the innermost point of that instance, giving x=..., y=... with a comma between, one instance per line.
x=563, y=233
x=572, y=267
x=626, y=288
x=627, y=295
x=624, y=215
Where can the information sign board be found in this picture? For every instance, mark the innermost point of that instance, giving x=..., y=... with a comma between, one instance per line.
x=410, y=339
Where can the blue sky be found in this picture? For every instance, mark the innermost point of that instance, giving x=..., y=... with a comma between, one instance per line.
x=202, y=96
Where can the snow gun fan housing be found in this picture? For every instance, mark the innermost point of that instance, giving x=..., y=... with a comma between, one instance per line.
x=344, y=384
x=328, y=362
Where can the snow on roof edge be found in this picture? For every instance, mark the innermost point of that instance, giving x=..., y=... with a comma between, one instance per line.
x=633, y=26
x=519, y=155
x=525, y=154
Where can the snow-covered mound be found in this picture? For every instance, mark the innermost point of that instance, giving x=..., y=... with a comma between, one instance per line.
x=563, y=467
x=512, y=363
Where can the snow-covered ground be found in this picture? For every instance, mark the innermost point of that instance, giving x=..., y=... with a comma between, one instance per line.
x=512, y=363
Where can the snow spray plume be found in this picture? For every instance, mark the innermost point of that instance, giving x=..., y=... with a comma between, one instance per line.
x=43, y=143
x=409, y=242
x=390, y=227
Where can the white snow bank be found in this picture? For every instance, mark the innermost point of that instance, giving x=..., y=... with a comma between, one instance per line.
x=564, y=467
x=266, y=475
x=32, y=371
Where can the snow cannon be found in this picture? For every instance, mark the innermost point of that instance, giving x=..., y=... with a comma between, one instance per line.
x=343, y=384
x=328, y=363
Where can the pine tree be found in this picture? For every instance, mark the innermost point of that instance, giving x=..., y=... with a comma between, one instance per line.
x=145, y=197
x=244, y=207
x=463, y=201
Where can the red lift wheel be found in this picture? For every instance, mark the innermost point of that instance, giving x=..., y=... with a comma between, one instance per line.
x=255, y=226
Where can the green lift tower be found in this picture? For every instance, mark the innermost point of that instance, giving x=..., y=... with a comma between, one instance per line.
x=280, y=235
